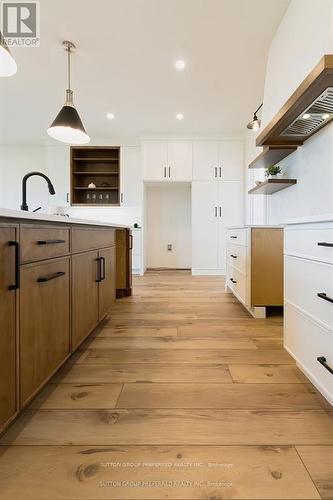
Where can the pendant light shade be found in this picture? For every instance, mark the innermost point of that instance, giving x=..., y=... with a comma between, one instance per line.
x=67, y=126
x=8, y=65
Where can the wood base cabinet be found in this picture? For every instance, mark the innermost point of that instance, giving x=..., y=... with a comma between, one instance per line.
x=124, y=247
x=44, y=322
x=8, y=395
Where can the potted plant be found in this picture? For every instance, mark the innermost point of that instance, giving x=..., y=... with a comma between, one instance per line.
x=273, y=172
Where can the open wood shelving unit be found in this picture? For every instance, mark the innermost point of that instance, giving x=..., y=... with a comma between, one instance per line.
x=98, y=165
x=271, y=186
x=271, y=155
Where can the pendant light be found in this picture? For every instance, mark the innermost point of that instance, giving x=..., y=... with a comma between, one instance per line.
x=67, y=126
x=8, y=65
x=255, y=124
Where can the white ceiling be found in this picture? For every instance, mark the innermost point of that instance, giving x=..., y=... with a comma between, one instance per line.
x=124, y=64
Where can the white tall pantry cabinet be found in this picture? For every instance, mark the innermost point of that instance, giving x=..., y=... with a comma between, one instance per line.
x=217, y=202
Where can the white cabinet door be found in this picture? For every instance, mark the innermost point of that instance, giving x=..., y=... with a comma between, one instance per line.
x=231, y=201
x=205, y=198
x=131, y=177
x=180, y=159
x=155, y=160
x=205, y=160
x=231, y=160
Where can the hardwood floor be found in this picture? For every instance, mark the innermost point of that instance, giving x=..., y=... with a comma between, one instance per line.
x=180, y=394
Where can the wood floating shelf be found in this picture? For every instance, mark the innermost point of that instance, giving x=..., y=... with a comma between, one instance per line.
x=99, y=166
x=314, y=96
x=271, y=155
x=271, y=186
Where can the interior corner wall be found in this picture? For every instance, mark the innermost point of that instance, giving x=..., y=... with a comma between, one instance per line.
x=302, y=38
x=255, y=205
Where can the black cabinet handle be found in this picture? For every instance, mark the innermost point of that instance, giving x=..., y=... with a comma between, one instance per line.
x=50, y=242
x=322, y=360
x=16, y=244
x=130, y=242
x=234, y=281
x=324, y=296
x=49, y=277
x=102, y=268
x=99, y=269
x=233, y=256
x=325, y=244
x=233, y=237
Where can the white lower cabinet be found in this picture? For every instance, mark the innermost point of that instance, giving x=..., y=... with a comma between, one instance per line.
x=308, y=333
x=215, y=206
x=137, y=261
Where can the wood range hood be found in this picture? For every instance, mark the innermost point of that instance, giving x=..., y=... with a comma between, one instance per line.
x=314, y=97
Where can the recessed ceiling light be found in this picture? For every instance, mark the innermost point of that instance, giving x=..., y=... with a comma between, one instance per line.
x=306, y=116
x=180, y=116
x=180, y=64
x=325, y=116
x=110, y=116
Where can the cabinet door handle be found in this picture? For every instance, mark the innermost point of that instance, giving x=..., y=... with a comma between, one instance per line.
x=50, y=277
x=169, y=172
x=323, y=361
x=215, y=172
x=50, y=242
x=215, y=212
x=233, y=256
x=16, y=244
x=324, y=296
x=234, y=281
x=325, y=244
x=130, y=242
x=233, y=237
x=164, y=172
x=67, y=197
x=220, y=211
x=220, y=170
x=99, y=269
x=103, y=268
x=122, y=198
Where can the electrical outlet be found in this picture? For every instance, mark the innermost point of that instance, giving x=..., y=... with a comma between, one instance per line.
x=169, y=247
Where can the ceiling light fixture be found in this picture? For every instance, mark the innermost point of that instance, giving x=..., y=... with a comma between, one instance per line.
x=255, y=124
x=180, y=116
x=67, y=126
x=306, y=116
x=180, y=64
x=110, y=116
x=8, y=66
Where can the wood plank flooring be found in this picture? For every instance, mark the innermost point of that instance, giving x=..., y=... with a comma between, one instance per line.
x=179, y=394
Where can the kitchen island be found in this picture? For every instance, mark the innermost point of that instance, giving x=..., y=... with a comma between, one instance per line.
x=59, y=278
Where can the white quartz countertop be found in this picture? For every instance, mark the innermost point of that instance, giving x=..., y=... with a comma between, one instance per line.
x=21, y=214
x=255, y=226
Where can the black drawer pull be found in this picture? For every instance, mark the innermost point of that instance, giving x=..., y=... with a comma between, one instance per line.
x=233, y=237
x=50, y=242
x=50, y=277
x=324, y=296
x=233, y=256
x=102, y=268
x=322, y=360
x=234, y=281
x=325, y=244
x=16, y=244
x=99, y=269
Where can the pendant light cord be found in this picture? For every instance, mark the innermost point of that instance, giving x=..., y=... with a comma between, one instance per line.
x=68, y=68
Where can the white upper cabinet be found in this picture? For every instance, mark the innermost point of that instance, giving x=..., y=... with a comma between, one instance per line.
x=155, y=160
x=131, y=177
x=217, y=160
x=180, y=159
x=167, y=161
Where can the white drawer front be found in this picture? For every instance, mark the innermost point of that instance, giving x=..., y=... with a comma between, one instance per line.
x=304, y=243
x=304, y=279
x=307, y=341
x=237, y=236
x=236, y=256
x=237, y=282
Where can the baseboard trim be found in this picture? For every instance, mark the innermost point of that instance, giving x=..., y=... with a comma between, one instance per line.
x=208, y=272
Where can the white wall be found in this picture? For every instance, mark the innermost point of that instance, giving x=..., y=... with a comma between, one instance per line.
x=303, y=37
x=168, y=215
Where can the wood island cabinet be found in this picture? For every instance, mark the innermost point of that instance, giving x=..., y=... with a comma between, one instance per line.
x=8, y=379
x=57, y=282
x=44, y=322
